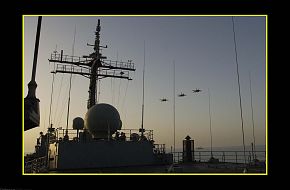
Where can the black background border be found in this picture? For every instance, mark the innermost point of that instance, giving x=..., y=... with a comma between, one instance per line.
x=11, y=156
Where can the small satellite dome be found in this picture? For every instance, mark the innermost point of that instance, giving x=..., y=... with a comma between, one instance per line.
x=102, y=120
x=78, y=123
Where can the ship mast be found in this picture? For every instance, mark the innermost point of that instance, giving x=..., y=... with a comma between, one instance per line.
x=94, y=66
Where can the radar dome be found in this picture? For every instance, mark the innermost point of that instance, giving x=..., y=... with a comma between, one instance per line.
x=102, y=119
x=78, y=123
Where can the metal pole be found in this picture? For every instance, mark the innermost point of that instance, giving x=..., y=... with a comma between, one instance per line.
x=254, y=155
x=51, y=96
x=70, y=81
x=142, y=119
x=241, y=110
x=173, y=106
x=31, y=103
x=210, y=123
x=47, y=146
x=36, y=48
x=96, y=89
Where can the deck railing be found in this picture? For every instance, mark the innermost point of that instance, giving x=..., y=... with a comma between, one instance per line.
x=222, y=156
x=36, y=165
x=72, y=133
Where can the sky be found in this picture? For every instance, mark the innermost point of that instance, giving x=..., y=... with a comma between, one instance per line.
x=203, y=51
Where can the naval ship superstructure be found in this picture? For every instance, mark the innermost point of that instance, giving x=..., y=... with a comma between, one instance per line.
x=97, y=141
x=86, y=153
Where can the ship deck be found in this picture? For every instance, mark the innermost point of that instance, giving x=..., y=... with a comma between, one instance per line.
x=180, y=168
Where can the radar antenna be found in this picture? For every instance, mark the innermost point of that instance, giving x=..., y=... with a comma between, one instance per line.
x=94, y=66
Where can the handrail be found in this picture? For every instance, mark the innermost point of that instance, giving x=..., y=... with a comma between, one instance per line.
x=229, y=156
x=35, y=165
x=128, y=132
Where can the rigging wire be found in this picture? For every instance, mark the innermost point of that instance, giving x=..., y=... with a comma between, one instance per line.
x=125, y=111
x=253, y=123
x=119, y=94
x=125, y=94
x=113, y=85
x=112, y=89
x=99, y=92
x=240, y=99
x=96, y=89
x=63, y=105
x=118, y=99
x=122, y=107
x=114, y=97
x=173, y=107
x=70, y=81
x=59, y=91
x=43, y=124
x=209, y=113
x=142, y=118
x=55, y=112
x=51, y=97
x=68, y=105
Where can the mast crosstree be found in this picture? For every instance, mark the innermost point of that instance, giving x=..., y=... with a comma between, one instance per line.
x=94, y=66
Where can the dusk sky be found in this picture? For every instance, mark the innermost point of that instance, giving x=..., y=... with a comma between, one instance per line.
x=203, y=51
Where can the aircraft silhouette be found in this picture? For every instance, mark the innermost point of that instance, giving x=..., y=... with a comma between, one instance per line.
x=181, y=95
x=163, y=99
x=196, y=90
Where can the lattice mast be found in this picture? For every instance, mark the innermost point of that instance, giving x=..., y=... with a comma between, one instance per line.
x=94, y=66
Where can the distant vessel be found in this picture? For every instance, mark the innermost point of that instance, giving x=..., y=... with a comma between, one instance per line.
x=199, y=148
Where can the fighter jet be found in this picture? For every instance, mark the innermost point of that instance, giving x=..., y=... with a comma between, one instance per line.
x=181, y=94
x=163, y=100
x=196, y=90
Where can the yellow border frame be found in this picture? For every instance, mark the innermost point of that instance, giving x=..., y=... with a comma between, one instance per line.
x=266, y=25
x=23, y=53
